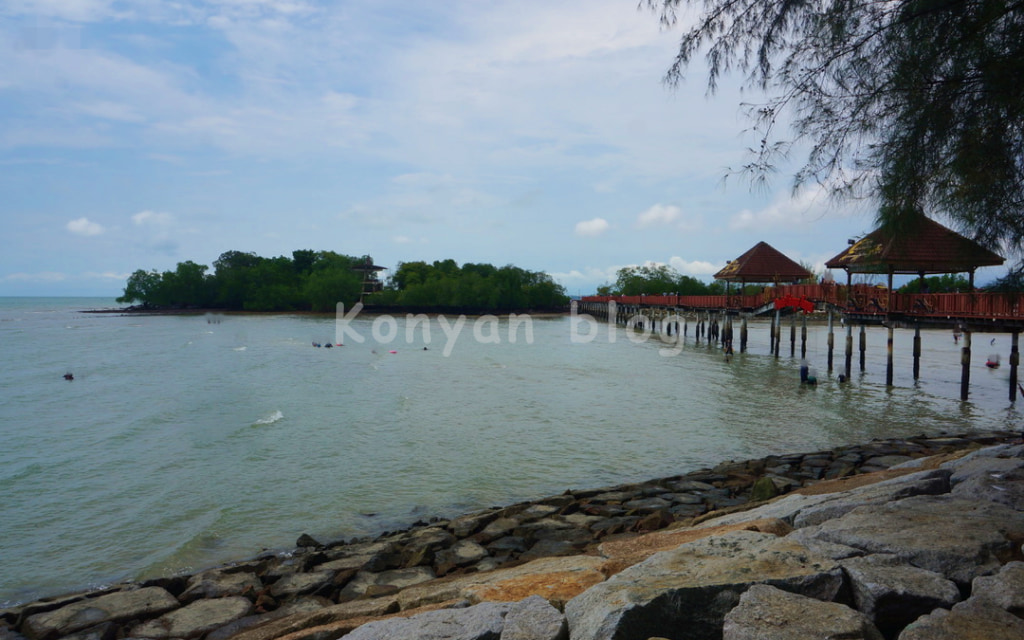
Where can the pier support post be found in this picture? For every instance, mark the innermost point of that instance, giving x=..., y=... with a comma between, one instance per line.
x=1014, y=361
x=849, y=349
x=888, y=356
x=743, y=335
x=831, y=339
x=863, y=345
x=803, y=336
x=792, y=335
x=917, y=351
x=778, y=331
x=965, y=365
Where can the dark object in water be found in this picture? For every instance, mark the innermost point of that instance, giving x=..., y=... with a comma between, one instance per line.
x=69, y=376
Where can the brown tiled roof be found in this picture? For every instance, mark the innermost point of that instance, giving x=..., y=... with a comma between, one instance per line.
x=927, y=247
x=763, y=263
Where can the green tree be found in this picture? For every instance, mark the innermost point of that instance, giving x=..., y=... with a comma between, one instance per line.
x=916, y=103
x=141, y=287
x=948, y=283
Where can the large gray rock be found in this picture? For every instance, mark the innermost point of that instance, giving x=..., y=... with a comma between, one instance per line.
x=693, y=586
x=994, y=473
x=785, y=509
x=767, y=613
x=481, y=622
x=202, y=616
x=297, y=583
x=218, y=583
x=461, y=554
x=300, y=621
x=399, y=578
x=1005, y=589
x=931, y=482
x=534, y=619
x=960, y=539
x=893, y=595
x=972, y=619
x=113, y=607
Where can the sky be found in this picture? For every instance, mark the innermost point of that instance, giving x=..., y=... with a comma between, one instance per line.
x=137, y=134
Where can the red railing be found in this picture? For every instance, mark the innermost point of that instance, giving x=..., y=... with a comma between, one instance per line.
x=859, y=299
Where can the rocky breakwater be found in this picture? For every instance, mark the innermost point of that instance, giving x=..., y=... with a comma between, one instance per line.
x=911, y=538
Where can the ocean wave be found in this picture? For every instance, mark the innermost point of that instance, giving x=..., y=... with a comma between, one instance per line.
x=270, y=418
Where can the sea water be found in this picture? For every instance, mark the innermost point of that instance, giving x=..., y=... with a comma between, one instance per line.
x=186, y=441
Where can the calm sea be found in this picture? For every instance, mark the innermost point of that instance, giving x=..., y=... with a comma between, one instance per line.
x=190, y=440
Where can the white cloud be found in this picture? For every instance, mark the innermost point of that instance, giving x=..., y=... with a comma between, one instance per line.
x=85, y=227
x=693, y=267
x=592, y=228
x=659, y=214
x=152, y=218
x=42, y=276
x=807, y=206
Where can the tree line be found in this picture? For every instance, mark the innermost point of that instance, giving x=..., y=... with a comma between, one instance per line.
x=318, y=280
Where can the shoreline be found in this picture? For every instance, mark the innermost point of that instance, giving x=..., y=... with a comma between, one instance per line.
x=573, y=523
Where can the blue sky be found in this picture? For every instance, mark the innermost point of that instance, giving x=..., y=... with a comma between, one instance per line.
x=141, y=133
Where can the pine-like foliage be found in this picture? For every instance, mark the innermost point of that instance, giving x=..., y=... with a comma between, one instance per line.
x=917, y=103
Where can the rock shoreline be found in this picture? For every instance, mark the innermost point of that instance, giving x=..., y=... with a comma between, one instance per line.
x=905, y=538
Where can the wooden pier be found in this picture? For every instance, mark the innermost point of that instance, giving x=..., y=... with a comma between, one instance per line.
x=714, y=318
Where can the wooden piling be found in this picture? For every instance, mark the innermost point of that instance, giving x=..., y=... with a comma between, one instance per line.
x=792, y=335
x=743, y=335
x=778, y=331
x=965, y=365
x=803, y=336
x=917, y=351
x=831, y=340
x=888, y=356
x=863, y=345
x=1014, y=361
x=849, y=349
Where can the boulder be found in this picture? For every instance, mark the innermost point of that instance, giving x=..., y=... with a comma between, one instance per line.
x=893, y=595
x=972, y=619
x=270, y=628
x=498, y=528
x=461, y=554
x=219, y=583
x=481, y=622
x=557, y=580
x=1005, y=589
x=399, y=578
x=959, y=539
x=534, y=619
x=693, y=586
x=930, y=482
x=298, y=583
x=768, y=613
x=112, y=607
x=196, y=619
x=422, y=546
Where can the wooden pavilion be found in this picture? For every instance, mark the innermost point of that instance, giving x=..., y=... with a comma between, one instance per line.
x=925, y=247
x=762, y=264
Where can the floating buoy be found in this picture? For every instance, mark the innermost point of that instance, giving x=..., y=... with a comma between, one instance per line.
x=392, y=351
x=69, y=376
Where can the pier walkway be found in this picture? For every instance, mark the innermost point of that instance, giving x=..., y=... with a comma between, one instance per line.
x=862, y=305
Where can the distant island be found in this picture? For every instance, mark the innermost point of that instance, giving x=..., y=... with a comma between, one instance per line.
x=318, y=280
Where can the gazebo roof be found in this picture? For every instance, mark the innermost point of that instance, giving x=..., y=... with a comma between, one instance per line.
x=926, y=247
x=763, y=263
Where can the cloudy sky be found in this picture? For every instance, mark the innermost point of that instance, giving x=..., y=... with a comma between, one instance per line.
x=142, y=133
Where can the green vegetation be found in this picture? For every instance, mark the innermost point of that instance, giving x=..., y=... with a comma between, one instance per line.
x=656, y=280
x=949, y=283
x=318, y=280
x=915, y=103
x=444, y=286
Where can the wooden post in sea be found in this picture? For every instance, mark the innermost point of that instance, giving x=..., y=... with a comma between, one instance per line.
x=1014, y=361
x=917, y=351
x=831, y=340
x=965, y=365
x=849, y=349
x=771, y=334
x=888, y=356
x=803, y=336
x=792, y=334
x=743, y=335
x=778, y=331
x=863, y=344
